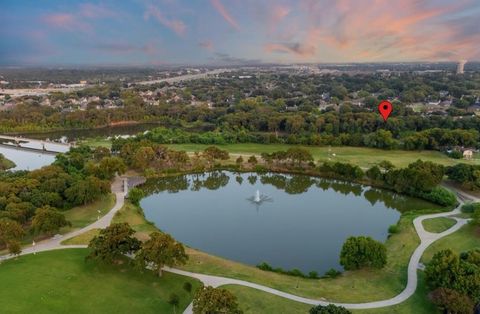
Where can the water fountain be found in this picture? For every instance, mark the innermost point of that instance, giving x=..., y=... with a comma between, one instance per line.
x=259, y=198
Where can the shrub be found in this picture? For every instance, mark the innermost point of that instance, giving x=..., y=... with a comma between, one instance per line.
x=470, y=207
x=332, y=273
x=441, y=196
x=360, y=252
x=393, y=229
x=135, y=195
x=329, y=309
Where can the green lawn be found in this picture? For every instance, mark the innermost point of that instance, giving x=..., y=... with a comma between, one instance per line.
x=83, y=238
x=134, y=217
x=364, y=157
x=82, y=216
x=437, y=225
x=254, y=301
x=62, y=282
x=467, y=238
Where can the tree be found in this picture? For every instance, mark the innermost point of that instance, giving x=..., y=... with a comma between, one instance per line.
x=174, y=300
x=160, y=250
x=10, y=233
x=135, y=195
x=215, y=300
x=113, y=243
x=86, y=191
x=450, y=301
x=252, y=160
x=187, y=286
x=459, y=273
x=329, y=309
x=213, y=152
x=48, y=220
x=359, y=252
x=239, y=160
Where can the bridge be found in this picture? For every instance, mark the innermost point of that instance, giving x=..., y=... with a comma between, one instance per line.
x=33, y=145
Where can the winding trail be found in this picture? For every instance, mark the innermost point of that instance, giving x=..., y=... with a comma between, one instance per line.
x=426, y=239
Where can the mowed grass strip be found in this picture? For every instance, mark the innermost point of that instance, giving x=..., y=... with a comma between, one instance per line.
x=437, y=225
x=361, y=156
x=62, y=282
x=82, y=216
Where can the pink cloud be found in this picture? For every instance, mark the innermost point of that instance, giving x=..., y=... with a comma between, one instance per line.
x=174, y=24
x=207, y=44
x=380, y=30
x=66, y=21
x=224, y=13
x=93, y=11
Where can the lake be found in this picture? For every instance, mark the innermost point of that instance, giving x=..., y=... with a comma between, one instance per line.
x=302, y=223
x=26, y=160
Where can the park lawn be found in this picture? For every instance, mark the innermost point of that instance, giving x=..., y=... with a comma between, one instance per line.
x=134, y=217
x=356, y=286
x=82, y=216
x=83, y=238
x=437, y=225
x=255, y=301
x=62, y=282
x=465, y=239
x=97, y=142
x=361, y=156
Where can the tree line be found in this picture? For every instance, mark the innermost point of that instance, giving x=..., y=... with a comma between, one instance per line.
x=32, y=202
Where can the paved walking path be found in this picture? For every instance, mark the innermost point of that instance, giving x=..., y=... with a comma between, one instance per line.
x=54, y=243
x=426, y=239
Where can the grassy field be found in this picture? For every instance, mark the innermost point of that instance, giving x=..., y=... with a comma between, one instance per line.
x=254, y=301
x=364, y=157
x=134, y=216
x=437, y=225
x=82, y=216
x=62, y=282
x=467, y=238
x=83, y=238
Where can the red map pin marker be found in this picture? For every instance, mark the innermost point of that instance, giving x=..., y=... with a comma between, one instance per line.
x=385, y=108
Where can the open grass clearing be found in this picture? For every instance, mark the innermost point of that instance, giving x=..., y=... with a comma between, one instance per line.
x=62, y=282
x=437, y=225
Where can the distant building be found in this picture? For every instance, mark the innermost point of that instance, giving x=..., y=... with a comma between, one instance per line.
x=468, y=154
x=461, y=66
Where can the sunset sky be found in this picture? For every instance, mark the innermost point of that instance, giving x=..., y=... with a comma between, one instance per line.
x=157, y=32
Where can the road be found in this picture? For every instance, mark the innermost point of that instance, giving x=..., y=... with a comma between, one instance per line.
x=426, y=239
x=184, y=77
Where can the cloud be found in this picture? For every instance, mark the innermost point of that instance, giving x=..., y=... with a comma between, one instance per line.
x=175, y=25
x=221, y=57
x=207, y=44
x=382, y=30
x=66, y=21
x=126, y=48
x=93, y=11
x=296, y=48
x=224, y=13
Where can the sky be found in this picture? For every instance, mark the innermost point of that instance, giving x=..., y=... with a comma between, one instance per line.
x=163, y=32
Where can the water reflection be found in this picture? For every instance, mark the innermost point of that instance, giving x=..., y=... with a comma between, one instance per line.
x=303, y=225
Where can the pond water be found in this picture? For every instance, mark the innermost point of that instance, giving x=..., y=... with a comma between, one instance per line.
x=74, y=135
x=26, y=160
x=302, y=223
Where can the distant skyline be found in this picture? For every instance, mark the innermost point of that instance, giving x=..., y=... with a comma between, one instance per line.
x=163, y=32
